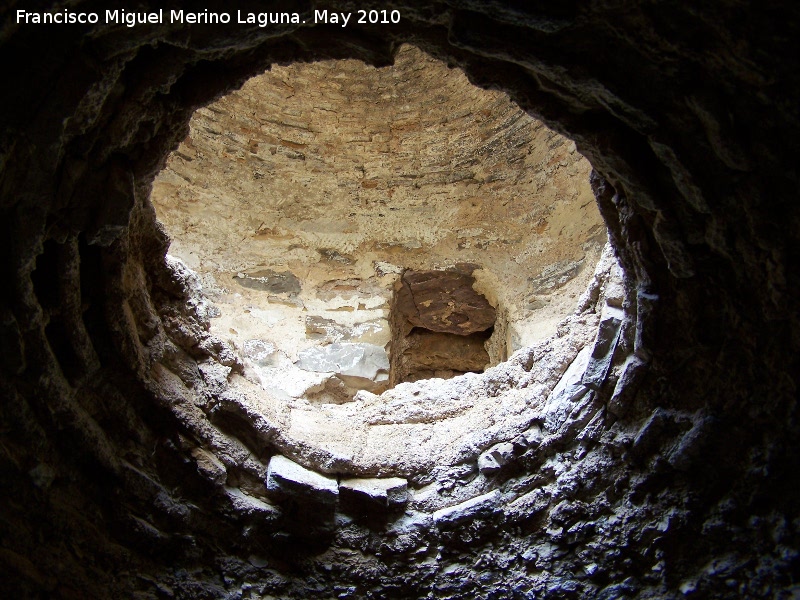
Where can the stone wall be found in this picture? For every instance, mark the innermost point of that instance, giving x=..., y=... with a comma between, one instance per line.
x=670, y=475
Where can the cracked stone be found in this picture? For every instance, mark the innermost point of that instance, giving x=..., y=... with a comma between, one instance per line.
x=285, y=478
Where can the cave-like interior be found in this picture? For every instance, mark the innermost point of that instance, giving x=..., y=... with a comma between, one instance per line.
x=346, y=224
x=646, y=447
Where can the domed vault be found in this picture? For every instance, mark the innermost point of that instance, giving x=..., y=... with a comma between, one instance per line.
x=303, y=197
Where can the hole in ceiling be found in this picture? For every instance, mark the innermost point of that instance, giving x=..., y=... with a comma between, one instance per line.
x=359, y=230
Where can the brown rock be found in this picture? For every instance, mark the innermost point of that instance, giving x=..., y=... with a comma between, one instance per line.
x=433, y=351
x=443, y=301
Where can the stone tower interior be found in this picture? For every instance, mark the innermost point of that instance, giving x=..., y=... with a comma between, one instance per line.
x=497, y=301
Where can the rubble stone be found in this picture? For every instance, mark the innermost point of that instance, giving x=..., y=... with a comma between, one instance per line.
x=495, y=458
x=286, y=478
x=390, y=492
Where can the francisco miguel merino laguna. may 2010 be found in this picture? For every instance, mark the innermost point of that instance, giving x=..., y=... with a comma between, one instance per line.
x=262, y=19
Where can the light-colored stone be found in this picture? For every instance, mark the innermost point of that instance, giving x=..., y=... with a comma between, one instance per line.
x=285, y=478
x=247, y=504
x=330, y=331
x=568, y=390
x=365, y=361
x=387, y=493
x=260, y=352
x=531, y=437
x=465, y=511
x=604, y=347
x=495, y=458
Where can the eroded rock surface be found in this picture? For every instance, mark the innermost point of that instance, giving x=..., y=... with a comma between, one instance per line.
x=443, y=301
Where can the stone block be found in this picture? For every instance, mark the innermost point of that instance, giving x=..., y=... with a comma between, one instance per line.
x=652, y=433
x=215, y=375
x=244, y=504
x=388, y=493
x=209, y=466
x=629, y=377
x=568, y=390
x=529, y=439
x=527, y=505
x=365, y=361
x=495, y=458
x=260, y=352
x=267, y=280
x=480, y=506
x=604, y=346
x=287, y=479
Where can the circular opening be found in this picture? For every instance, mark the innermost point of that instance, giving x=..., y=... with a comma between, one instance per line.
x=367, y=239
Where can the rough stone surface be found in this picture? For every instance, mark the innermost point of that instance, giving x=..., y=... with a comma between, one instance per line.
x=444, y=302
x=691, y=125
x=286, y=478
x=391, y=492
x=496, y=457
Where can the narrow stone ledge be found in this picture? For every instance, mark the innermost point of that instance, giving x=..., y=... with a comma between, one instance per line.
x=471, y=509
x=287, y=479
x=389, y=493
x=495, y=458
x=250, y=506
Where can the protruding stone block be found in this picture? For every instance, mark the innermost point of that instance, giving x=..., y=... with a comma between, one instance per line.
x=480, y=506
x=629, y=376
x=603, y=351
x=209, y=466
x=245, y=504
x=495, y=458
x=388, y=493
x=531, y=438
x=287, y=479
x=569, y=389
